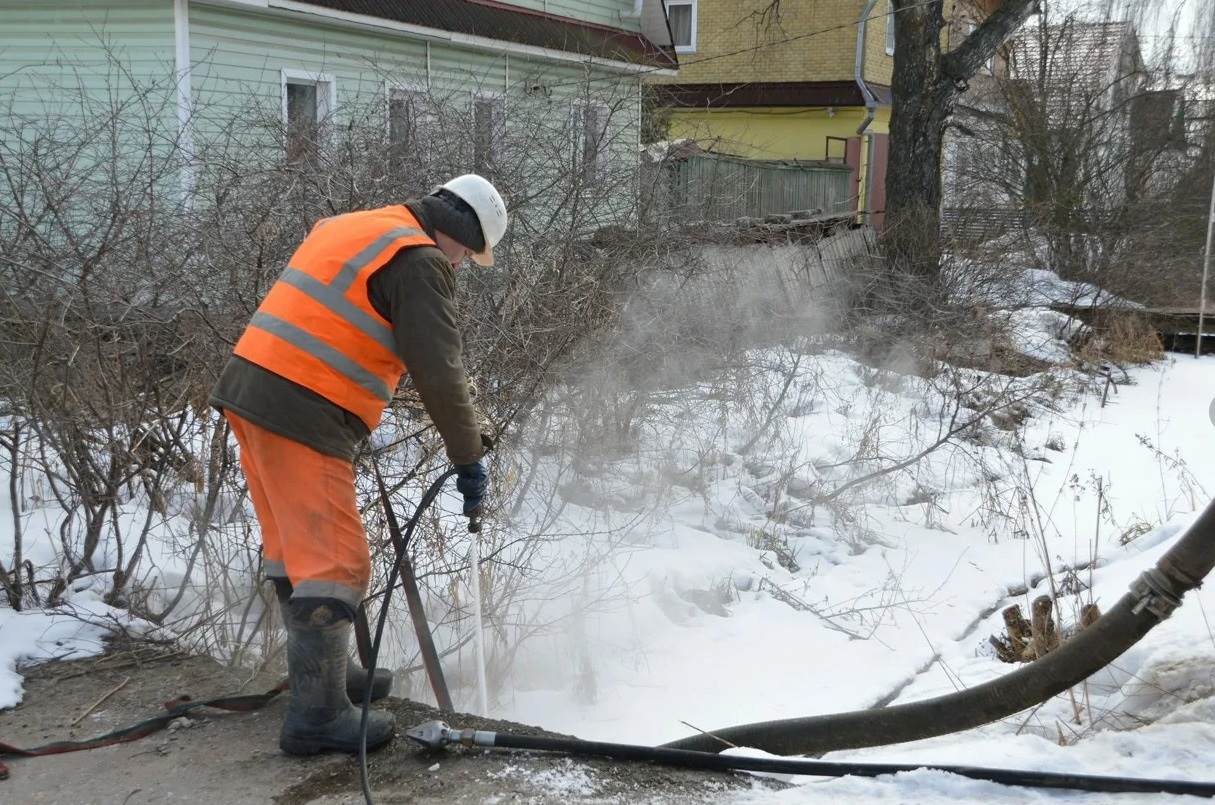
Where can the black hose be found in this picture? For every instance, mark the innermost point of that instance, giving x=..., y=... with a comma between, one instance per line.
x=1152, y=598
x=820, y=768
x=402, y=553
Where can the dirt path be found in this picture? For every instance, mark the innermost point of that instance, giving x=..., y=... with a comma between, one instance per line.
x=233, y=759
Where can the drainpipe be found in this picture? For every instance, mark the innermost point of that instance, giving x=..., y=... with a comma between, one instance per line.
x=1206, y=269
x=185, y=105
x=862, y=28
x=635, y=13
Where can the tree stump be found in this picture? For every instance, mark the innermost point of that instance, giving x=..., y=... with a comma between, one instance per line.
x=1013, y=647
x=1045, y=636
x=1027, y=641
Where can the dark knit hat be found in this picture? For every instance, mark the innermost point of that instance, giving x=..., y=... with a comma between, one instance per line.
x=449, y=214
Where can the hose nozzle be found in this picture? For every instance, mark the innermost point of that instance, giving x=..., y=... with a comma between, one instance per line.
x=436, y=735
x=433, y=734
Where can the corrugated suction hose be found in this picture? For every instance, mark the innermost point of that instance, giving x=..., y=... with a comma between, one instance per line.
x=1152, y=598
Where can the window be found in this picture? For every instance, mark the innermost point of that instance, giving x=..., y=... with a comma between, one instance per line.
x=682, y=16
x=890, y=36
x=590, y=121
x=488, y=131
x=836, y=150
x=410, y=123
x=308, y=104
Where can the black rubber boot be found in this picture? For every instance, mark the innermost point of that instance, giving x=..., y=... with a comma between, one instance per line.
x=356, y=682
x=320, y=717
x=356, y=675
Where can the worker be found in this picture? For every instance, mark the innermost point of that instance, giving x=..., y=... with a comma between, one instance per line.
x=366, y=297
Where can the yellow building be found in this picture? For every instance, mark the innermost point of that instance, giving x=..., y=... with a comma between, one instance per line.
x=800, y=79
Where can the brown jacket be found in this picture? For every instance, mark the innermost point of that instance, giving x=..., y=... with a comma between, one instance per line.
x=416, y=292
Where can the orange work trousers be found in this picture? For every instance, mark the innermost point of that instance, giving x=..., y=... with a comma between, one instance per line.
x=312, y=533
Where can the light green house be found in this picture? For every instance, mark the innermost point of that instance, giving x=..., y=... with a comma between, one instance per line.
x=510, y=89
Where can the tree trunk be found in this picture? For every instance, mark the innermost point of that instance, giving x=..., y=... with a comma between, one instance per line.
x=917, y=134
x=926, y=81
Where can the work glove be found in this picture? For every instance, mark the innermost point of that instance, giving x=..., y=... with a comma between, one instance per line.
x=472, y=482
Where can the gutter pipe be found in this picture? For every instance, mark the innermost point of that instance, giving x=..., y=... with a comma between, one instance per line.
x=1206, y=269
x=862, y=28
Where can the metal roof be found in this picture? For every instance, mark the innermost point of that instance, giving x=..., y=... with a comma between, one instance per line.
x=500, y=21
x=1096, y=55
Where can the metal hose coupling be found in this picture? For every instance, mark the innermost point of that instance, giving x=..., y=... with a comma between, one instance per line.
x=1156, y=593
x=436, y=735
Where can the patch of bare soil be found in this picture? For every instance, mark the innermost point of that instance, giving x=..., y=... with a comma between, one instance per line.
x=233, y=758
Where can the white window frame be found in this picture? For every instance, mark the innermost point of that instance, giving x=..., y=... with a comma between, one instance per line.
x=326, y=99
x=600, y=168
x=495, y=147
x=891, y=37
x=425, y=119
x=691, y=47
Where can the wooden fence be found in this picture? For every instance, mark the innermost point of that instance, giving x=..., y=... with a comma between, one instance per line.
x=713, y=187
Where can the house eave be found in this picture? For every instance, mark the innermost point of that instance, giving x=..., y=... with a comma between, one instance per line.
x=346, y=19
x=724, y=95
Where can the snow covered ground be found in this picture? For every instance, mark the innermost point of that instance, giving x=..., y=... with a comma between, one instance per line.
x=704, y=622
x=910, y=617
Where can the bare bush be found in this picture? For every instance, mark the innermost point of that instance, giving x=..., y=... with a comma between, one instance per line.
x=1080, y=152
x=94, y=350
x=127, y=280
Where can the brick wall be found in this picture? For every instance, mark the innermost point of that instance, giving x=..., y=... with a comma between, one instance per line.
x=810, y=40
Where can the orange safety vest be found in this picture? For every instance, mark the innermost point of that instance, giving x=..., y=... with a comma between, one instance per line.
x=317, y=327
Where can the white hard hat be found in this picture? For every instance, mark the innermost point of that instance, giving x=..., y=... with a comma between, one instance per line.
x=478, y=193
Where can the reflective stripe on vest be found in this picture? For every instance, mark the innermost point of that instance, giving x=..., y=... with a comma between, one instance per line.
x=323, y=352
x=338, y=345
x=335, y=299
